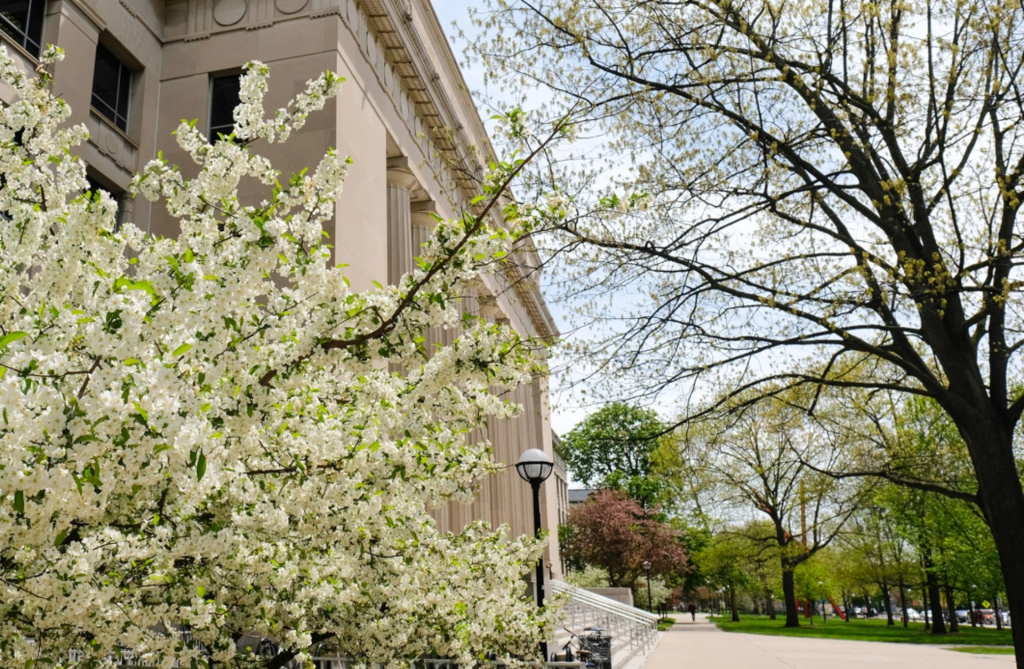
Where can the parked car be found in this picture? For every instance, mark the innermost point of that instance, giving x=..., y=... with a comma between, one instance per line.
x=963, y=616
x=863, y=612
x=914, y=614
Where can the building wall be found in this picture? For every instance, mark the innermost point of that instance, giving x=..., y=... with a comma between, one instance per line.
x=561, y=477
x=404, y=116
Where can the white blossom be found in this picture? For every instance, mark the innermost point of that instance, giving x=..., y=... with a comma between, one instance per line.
x=202, y=432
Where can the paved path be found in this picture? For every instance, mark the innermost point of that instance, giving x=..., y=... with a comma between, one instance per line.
x=701, y=645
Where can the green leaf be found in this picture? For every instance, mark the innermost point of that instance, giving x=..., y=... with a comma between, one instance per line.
x=10, y=338
x=125, y=282
x=201, y=591
x=181, y=350
x=19, y=501
x=61, y=537
x=201, y=466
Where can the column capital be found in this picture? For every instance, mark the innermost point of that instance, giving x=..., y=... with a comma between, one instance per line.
x=402, y=179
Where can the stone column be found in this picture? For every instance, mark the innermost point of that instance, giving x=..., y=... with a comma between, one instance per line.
x=400, y=252
x=125, y=209
x=422, y=225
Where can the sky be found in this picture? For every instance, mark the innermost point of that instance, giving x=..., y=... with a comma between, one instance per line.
x=457, y=11
x=563, y=415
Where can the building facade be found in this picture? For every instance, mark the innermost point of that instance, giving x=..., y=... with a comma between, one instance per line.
x=135, y=68
x=561, y=476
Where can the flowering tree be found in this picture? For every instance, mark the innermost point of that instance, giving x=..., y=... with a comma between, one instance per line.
x=612, y=531
x=201, y=442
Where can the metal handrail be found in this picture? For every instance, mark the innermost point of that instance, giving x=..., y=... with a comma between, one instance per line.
x=624, y=621
x=604, y=602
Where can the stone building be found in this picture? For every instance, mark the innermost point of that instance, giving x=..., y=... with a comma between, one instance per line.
x=561, y=476
x=135, y=68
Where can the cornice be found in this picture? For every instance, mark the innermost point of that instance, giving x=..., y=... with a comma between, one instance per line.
x=392, y=23
x=89, y=14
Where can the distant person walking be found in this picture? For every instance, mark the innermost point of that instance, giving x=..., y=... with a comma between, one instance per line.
x=692, y=608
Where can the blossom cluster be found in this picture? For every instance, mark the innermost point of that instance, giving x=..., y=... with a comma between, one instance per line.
x=203, y=437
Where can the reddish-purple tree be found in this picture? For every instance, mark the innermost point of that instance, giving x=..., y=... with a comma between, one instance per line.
x=612, y=531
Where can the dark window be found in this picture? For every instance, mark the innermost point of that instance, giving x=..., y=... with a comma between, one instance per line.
x=111, y=87
x=224, y=98
x=23, y=20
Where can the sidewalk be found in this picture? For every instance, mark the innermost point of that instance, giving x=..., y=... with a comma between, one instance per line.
x=700, y=645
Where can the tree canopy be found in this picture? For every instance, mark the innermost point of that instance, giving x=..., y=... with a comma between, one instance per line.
x=766, y=461
x=799, y=188
x=623, y=447
x=613, y=532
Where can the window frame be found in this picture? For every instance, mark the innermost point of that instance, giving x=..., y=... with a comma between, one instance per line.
x=24, y=38
x=215, y=131
x=124, y=75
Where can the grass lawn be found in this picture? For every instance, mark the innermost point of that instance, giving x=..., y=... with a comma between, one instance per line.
x=865, y=630
x=985, y=650
x=665, y=623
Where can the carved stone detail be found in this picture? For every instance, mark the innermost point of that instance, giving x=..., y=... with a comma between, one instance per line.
x=290, y=6
x=229, y=12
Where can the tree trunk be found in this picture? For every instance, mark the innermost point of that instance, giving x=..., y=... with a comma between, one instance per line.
x=887, y=601
x=903, y=602
x=954, y=624
x=770, y=602
x=934, y=597
x=789, y=593
x=927, y=618
x=989, y=439
x=732, y=605
x=999, y=618
x=867, y=605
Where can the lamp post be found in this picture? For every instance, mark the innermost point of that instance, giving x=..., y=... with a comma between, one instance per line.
x=535, y=467
x=974, y=616
x=646, y=564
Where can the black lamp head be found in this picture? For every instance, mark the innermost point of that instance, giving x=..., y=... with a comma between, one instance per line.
x=534, y=465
